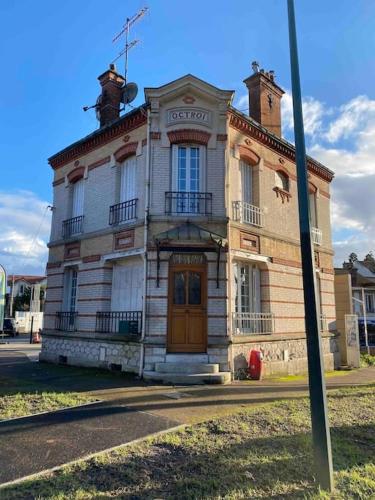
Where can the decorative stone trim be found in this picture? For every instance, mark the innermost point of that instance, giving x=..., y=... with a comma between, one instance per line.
x=284, y=195
x=125, y=151
x=58, y=182
x=130, y=122
x=249, y=242
x=155, y=136
x=76, y=174
x=222, y=137
x=91, y=258
x=312, y=187
x=286, y=262
x=248, y=155
x=72, y=250
x=188, y=135
x=53, y=265
x=189, y=99
x=239, y=122
x=99, y=163
x=124, y=239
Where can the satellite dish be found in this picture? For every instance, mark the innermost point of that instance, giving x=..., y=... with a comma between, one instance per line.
x=98, y=106
x=129, y=93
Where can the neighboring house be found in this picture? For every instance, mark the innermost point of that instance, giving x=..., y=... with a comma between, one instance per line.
x=355, y=294
x=175, y=237
x=18, y=284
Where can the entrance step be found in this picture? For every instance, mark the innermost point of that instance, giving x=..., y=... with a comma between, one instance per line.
x=186, y=358
x=188, y=379
x=186, y=368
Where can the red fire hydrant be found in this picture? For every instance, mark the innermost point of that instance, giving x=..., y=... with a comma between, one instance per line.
x=255, y=364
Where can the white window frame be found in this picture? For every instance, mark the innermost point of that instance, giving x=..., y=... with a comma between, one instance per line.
x=313, y=207
x=175, y=167
x=128, y=172
x=247, y=183
x=71, y=289
x=78, y=197
x=253, y=291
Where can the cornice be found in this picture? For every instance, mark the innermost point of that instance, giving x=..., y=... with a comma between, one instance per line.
x=129, y=122
x=242, y=123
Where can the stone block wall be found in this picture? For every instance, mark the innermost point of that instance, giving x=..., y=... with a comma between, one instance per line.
x=91, y=352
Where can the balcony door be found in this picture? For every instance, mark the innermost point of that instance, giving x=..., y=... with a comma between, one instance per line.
x=247, y=183
x=127, y=285
x=77, y=199
x=188, y=179
x=187, y=314
x=247, y=288
x=127, y=188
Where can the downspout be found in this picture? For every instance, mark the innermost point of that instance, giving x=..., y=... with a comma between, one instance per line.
x=145, y=235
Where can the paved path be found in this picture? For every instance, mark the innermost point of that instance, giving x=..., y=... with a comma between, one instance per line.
x=33, y=444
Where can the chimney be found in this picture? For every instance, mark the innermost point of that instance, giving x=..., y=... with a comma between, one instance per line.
x=110, y=99
x=265, y=99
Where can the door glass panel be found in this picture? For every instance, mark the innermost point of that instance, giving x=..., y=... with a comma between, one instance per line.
x=179, y=289
x=194, y=288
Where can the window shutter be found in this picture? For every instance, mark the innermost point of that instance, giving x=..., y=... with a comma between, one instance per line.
x=128, y=172
x=247, y=183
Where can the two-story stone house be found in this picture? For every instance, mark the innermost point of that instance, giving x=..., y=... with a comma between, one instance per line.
x=175, y=244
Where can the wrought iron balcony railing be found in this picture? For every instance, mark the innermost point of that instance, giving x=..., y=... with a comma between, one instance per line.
x=123, y=322
x=316, y=235
x=72, y=226
x=125, y=211
x=248, y=214
x=253, y=323
x=180, y=202
x=66, y=321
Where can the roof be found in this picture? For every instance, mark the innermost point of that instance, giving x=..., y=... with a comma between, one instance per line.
x=25, y=277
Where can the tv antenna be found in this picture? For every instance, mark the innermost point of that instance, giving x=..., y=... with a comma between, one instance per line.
x=128, y=45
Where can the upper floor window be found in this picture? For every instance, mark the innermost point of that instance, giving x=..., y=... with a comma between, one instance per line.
x=127, y=183
x=247, y=182
x=77, y=198
x=313, y=208
x=188, y=168
x=282, y=181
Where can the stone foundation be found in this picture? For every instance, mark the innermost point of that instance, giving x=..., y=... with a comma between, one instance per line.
x=283, y=357
x=91, y=353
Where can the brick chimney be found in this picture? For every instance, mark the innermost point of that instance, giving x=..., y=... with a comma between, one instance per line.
x=265, y=99
x=109, y=107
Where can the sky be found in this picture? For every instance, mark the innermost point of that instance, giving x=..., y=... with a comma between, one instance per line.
x=53, y=52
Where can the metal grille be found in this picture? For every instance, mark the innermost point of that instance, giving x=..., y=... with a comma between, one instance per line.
x=72, y=226
x=66, y=321
x=249, y=214
x=123, y=322
x=253, y=323
x=180, y=202
x=124, y=211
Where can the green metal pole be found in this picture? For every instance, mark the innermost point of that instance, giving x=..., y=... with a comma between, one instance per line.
x=318, y=399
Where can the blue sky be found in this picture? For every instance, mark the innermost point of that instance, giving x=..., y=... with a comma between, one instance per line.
x=52, y=53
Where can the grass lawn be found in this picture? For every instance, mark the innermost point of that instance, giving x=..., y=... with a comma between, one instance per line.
x=262, y=451
x=24, y=403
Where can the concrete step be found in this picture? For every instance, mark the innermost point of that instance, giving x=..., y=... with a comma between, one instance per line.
x=186, y=358
x=188, y=379
x=186, y=368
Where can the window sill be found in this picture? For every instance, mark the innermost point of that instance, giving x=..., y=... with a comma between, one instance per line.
x=284, y=195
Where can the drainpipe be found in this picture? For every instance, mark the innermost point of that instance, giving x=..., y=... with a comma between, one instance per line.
x=145, y=235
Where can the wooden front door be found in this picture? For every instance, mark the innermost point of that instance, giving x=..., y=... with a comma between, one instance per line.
x=187, y=311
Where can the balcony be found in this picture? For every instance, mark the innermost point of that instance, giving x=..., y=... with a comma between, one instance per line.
x=253, y=323
x=316, y=236
x=120, y=322
x=181, y=203
x=73, y=226
x=248, y=214
x=123, y=212
x=66, y=321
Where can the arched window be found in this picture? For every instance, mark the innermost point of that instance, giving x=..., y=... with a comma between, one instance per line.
x=282, y=180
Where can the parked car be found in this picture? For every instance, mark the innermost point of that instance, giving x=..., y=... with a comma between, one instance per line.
x=9, y=327
x=370, y=331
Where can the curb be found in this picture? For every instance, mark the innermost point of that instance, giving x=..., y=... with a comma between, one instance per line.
x=91, y=455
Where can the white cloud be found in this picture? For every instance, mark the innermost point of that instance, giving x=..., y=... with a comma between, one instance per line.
x=25, y=227
x=313, y=114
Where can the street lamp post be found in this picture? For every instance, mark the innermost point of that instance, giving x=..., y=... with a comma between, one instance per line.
x=318, y=399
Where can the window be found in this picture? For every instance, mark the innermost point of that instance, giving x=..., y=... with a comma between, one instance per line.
x=312, y=206
x=77, y=198
x=188, y=168
x=247, y=288
x=370, y=302
x=126, y=277
x=282, y=181
x=70, y=288
x=127, y=187
x=246, y=182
